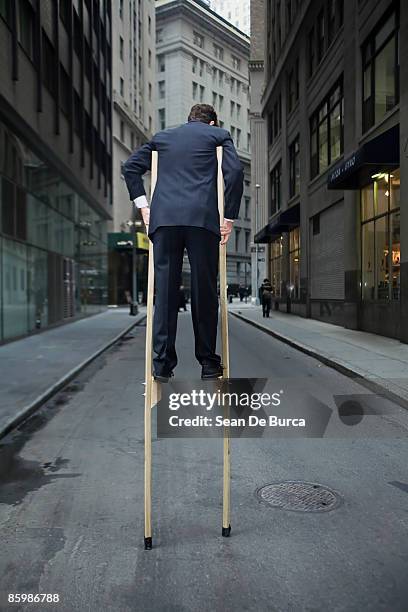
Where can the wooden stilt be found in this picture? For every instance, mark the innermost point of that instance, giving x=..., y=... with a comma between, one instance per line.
x=151, y=389
x=226, y=526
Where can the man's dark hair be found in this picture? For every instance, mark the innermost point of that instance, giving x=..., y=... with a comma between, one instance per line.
x=204, y=113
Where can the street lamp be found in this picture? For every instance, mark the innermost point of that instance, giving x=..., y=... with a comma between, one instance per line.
x=133, y=224
x=257, y=188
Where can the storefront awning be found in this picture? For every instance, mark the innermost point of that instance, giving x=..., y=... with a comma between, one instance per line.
x=381, y=154
x=283, y=221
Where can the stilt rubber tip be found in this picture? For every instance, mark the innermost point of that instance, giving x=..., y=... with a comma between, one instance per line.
x=148, y=543
x=226, y=531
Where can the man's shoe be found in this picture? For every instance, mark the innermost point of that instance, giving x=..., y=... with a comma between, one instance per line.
x=163, y=378
x=211, y=372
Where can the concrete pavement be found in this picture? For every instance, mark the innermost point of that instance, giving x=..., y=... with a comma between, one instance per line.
x=34, y=367
x=382, y=362
x=71, y=500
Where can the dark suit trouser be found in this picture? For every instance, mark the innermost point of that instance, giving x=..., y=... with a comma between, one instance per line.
x=203, y=252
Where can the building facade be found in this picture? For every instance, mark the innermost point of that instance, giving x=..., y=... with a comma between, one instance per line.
x=236, y=12
x=203, y=58
x=133, y=88
x=55, y=161
x=334, y=102
x=259, y=160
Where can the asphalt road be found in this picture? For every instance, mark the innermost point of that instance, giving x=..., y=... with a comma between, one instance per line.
x=71, y=499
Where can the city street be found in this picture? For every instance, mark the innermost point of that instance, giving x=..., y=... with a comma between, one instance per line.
x=71, y=499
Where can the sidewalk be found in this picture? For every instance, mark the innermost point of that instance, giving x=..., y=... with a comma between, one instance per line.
x=382, y=362
x=34, y=368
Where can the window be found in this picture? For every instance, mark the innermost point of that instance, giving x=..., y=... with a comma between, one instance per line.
x=292, y=90
x=247, y=241
x=238, y=138
x=232, y=107
x=202, y=90
x=149, y=61
x=270, y=128
x=195, y=90
x=201, y=67
x=320, y=36
x=294, y=168
x=220, y=101
x=121, y=48
x=162, y=118
x=214, y=74
x=48, y=58
x=247, y=208
x=218, y=52
x=276, y=267
x=150, y=92
x=122, y=87
x=326, y=132
x=162, y=89
x=238, y=111
x=311, y=51
x=214, y=98
x=249, y=142
x=5, y=10
x=380, y=72
x=237, y=236
x=161, y=66
x=220, y=78
x=159, y=35
x=275, y=183
x=335, y=18
x=294, y=262
x=198, y=40
x=149, y=25
x=26, y=28
x=381, y=238
x=277, y=116
x=236, y=62
x=121, y=9
x=194, y=65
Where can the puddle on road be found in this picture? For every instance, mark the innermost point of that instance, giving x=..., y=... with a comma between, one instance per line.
x=19, y=476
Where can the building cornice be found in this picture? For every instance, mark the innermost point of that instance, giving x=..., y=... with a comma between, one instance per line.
x=256, y=65
x=212, y=21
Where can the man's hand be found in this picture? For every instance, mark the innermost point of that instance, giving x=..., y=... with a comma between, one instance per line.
x=226, y=229
x=145, y=211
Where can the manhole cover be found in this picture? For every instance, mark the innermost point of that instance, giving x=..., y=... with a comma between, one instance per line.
x=299, y=496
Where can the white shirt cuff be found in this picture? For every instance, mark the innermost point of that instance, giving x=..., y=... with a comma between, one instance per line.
x=232, y=220
x=141, y=201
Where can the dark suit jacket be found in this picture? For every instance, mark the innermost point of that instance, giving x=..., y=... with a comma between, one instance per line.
x=186, y=188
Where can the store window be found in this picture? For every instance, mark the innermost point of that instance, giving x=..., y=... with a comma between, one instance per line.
x=326, y=131
x=380, y=56
x=380, y=238
x=276, y=267
x=294, y=262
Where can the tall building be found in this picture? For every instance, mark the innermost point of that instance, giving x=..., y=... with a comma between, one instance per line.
x=335, y=101
x=236, y=12
x=55, y=161
x=133, y=85
x=259, y=161
x=203, y=58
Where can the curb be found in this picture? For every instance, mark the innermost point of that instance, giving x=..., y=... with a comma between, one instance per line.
x=28, y=410
x=331, y=363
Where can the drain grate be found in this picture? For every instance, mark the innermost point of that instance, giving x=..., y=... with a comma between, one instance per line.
x=299, y=496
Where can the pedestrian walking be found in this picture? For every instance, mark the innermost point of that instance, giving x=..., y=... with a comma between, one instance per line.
x=266, y=297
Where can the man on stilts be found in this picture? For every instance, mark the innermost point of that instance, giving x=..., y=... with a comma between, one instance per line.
x=184, y=215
